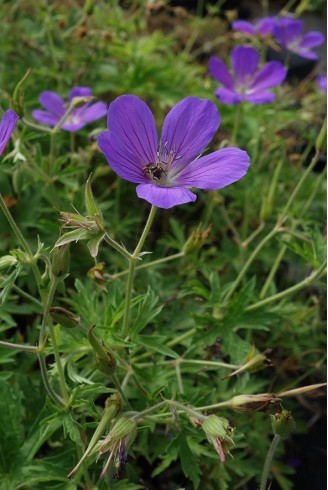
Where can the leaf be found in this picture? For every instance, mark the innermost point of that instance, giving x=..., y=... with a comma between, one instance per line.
x=189, y=462
x=7, y=284
x=74, y=236
x=147, y=311
x=156, y=343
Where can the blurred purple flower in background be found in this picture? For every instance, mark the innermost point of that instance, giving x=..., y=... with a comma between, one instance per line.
x=262, y=27
x=165, y=169
x=322, y=82
x=289, y=34
x=247, y=81
x=56, y=108
x=7, y=126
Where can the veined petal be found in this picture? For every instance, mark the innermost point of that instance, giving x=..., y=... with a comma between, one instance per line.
x=312, y=39
x=287, y=30
x=132, y=124
x=244, y=61
x=79, y=92
x=228, y=96
x=121, y=158
x=270, y=75
x=189, y=127
x=7, y=126
x=216, y=170
x=165, y=197
x=52, y=103
x=92, y=112
x=220, y=72
x=262, y=97
x=243, y=26
x=306, y=53
x=45, y=118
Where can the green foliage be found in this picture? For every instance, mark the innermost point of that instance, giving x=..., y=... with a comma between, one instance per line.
x=241, y=313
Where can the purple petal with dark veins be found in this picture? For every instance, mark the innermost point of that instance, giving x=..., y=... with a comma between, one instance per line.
x=228, y=96
x=263, y=97
x=133, y=129
x=189, y=127
x=270, y=75
x=7, y=126
x=79, y=92
x=52, y=103
x=244, y=62
x=216, y=170
x=288, y=30
x=220, y=72
x=45, y=118
x=121, y=158
x=165, y=197
x=243, y=26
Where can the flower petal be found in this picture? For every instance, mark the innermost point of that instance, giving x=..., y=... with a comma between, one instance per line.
x=263, y=97
x=216, y=170
x=243, y=26
x=312, y=39
x=121, y=159
x=91, y=112
x=133, y=129
x=46, y=118
x=79, y=92
x=228, y=96
x=266, y=25
x=244, y=62
x=288, y=30
x=220, y=72
x=52, y=103
x=7, y=126
x=322, y=82
x=306, y=53
x=165, y=197
x=270, y=75
x=189, y=127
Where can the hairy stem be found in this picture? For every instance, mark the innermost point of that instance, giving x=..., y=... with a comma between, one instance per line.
x=268, y=461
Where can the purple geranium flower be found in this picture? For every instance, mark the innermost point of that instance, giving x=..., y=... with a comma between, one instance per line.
x=247, y=82
x=262, y=27
x=289, y=33
x=322, y=82
x=56, y=108
x=7, y=126
x=166, y=168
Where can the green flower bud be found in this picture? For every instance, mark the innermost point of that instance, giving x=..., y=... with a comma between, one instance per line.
x=123, y=428
x=104, y=358
x=254, y=403
x=7, y=261
x=283, y=424
x=219, y=433
x=64, y=317
x=60, y=261
x=92, y=207
x=196, y=240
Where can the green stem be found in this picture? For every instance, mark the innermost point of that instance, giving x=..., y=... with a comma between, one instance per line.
x=291, y=290
x=179, y=377
x=236, y=125
x=268, y=461
x=150, y=264
x=26, y=295
x=214, y=364
x=60, y=370
x=47, y=304
x=251, y=258
x=27, y=348
x=44, y=374
x=135, y=256
x=119, y=389
x=300, y=183
x=117, y=246
x=273, y=271
x=22, y=241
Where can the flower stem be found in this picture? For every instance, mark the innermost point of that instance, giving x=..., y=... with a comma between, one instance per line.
x=236, y=125
x=27, y=348
x=44, y=374
x=268, y=461
x=132, y=259
x=117, y=246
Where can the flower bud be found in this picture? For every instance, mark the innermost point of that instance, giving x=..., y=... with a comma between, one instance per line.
x=283, y=424
x=7, y=261
x=254, y=403
x=60, y=261
x=104, y=358
x=219, y=433
x=196, y=240
x=123, y=427
x=92, y=207
x=64, y=317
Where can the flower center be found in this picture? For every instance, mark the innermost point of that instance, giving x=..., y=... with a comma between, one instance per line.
x=158, y=171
